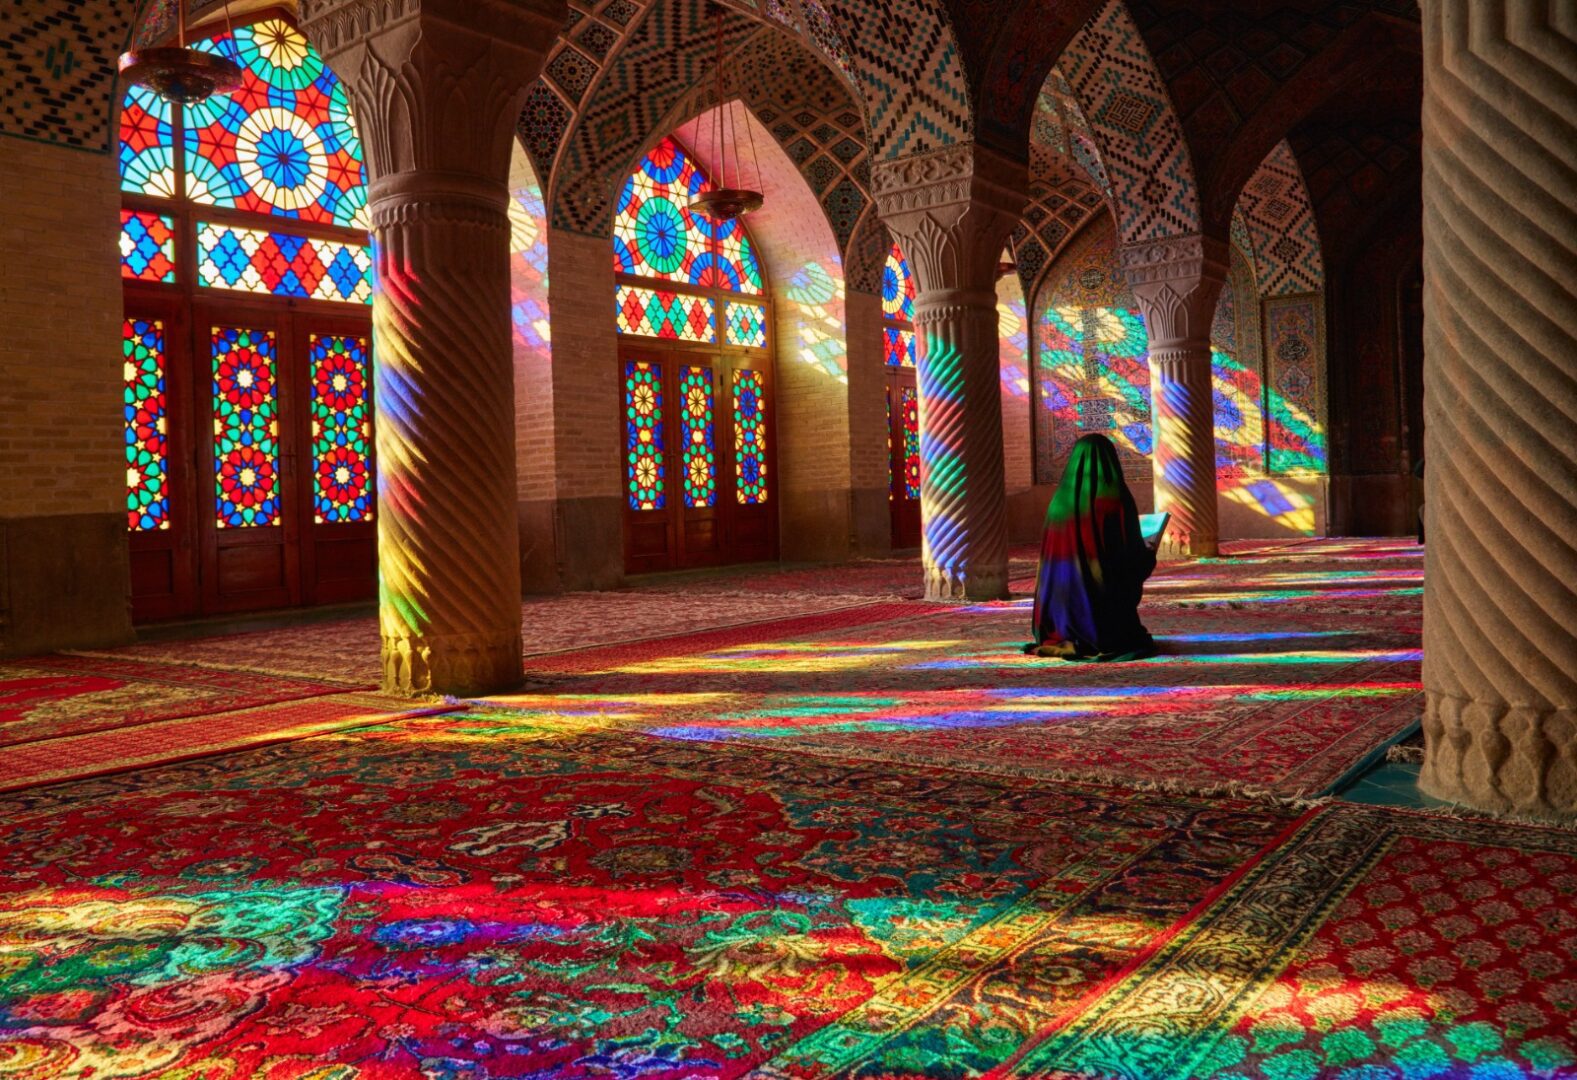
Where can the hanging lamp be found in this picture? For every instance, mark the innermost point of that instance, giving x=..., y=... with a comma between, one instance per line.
x=178, y=73
x=1008, y=265
x=725, y=201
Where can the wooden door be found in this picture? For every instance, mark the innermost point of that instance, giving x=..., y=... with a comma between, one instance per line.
x=699, y=473
x=247, y=372
x=750, y=488
x=339, y=548
x=160, y=435
x=903, y=452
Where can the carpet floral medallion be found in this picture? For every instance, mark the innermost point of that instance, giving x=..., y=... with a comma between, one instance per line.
x=466, y=896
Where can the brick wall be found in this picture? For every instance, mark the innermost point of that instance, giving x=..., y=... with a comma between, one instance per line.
x=61, y=448
x=533, y=349
x=872, y=525
x=64, y=578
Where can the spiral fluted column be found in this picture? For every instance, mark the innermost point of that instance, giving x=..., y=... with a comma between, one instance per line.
x=1177, y=282
x=437, y=86
x=1500, y=404
x=952, y=211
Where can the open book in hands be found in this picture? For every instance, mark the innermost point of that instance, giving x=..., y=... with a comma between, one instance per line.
x=1152, y=527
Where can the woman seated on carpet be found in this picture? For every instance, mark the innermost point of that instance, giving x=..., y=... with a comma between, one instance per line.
x=1093, y=563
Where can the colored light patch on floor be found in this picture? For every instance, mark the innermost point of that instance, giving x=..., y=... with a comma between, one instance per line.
x=416, y=905
x=784, y=658
x=1383, y=945
x=1289, y=698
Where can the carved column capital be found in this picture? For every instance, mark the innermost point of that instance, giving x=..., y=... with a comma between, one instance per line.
x=437, y=84
x=952, y=210
x=1177, y=281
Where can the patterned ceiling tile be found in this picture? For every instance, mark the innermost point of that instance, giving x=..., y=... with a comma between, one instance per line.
x=572, y=71
x=1278, y=217
x=663, y=58
x=57, y=69
x=543, y=121
x=621, y=11
x=821, y=173
x=866, y=257
x=1142, y=148
x=908, y=69
x=844, y=203
x=597, y=39
x=846, y=150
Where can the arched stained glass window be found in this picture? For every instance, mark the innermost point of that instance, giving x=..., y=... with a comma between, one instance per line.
x=656, y=236
x=690, y=304
x=282, y=144
x=248, y=428
x=898, y=291
x=903, y=399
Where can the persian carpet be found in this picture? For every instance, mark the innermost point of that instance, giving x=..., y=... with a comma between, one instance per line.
x=1371, y=945
x=622, y=656
x=345, y=651
x=1268, y=683
x=153, y=742
x=471, y=895
x=468, y=896
x=53, y=697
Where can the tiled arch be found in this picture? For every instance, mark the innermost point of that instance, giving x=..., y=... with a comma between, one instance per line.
x=1110, y=71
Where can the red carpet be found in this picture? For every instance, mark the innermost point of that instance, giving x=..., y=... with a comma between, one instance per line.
x=155, y=742
x=464, y=896
x=1269, y=681
x=52, y=697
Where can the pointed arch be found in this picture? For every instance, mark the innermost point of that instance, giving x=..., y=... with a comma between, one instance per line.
x=1113, y=76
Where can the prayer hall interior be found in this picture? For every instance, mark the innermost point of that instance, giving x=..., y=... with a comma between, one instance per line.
x=520, y=520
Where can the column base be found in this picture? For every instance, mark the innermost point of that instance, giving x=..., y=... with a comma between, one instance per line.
x=1499, y=757
x=457, y=665
x=950, y=586
x=1172, y=550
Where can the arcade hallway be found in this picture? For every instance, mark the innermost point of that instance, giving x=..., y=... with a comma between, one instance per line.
x=784, y=823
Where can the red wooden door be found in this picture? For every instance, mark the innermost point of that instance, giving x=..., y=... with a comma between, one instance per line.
x=162, y=533
x=699, y=473
x=903, y=451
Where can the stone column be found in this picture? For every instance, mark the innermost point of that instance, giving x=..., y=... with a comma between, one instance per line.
x=951, y=211
x=437, y=86
x=1500, y=405
x=1177, y=282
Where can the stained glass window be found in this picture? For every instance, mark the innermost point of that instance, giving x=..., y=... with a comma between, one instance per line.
x=747, y=324
x=889, y=444
x=147, y=457
x=750, y=436
x=147, y=144
x=246, y=427
x=341, y=428
x=278, y=264
x=147, y=246
x=655, y=235
x=697, y=432
x=675, y=316
x=911, y=443
x=282, y=144
x=643, y=426
x=898, y=346
x=898, y=287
